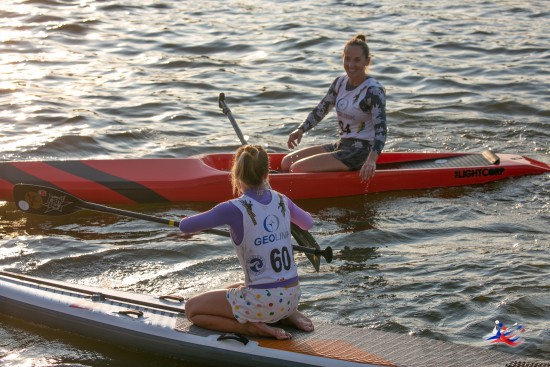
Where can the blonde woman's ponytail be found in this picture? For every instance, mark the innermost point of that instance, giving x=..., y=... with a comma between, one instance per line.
x=250, y=168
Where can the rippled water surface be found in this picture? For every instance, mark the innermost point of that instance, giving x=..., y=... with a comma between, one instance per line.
x=121, y=79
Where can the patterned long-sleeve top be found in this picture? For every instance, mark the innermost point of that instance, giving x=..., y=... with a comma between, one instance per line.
x=361, y=111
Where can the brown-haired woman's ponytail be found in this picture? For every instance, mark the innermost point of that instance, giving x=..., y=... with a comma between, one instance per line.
x=361, y=41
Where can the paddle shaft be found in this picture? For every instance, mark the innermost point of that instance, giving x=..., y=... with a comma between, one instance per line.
x=227, y=112
x=150, y=218
x=170, y=222
x=303, y=237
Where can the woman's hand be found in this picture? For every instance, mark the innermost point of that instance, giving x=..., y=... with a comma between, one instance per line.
x=295, y=138
x=369, y=167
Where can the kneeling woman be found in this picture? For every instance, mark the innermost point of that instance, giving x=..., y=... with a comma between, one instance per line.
x=260, y=231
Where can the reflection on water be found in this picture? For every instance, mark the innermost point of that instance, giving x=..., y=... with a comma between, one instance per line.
x=105, y=79
x=358, y=255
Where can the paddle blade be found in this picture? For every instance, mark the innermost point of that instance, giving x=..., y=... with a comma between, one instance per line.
x=44, y=200
x=304, y=238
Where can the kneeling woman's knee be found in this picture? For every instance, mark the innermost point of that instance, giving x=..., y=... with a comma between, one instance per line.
x=190, y=308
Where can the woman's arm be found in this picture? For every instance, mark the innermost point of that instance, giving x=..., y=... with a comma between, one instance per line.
x=222, y=214
x=322, y=109
x=315, y=116
x=299, y=216
x=375, y=102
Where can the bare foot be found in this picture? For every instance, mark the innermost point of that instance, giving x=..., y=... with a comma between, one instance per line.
x=300, y=321
x=261, y=329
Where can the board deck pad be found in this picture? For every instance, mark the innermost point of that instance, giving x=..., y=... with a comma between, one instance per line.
x=380, y=348
x=468, y=160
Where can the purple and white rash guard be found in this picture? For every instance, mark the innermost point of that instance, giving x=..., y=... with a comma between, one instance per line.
x=228, y=214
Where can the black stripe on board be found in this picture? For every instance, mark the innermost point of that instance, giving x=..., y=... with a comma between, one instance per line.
x=130, y=189
x=14, y=175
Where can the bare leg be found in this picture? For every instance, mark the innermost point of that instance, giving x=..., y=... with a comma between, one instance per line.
x=291, y=158
x=322, y=162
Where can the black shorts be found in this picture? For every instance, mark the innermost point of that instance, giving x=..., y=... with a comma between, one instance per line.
x=352, y=152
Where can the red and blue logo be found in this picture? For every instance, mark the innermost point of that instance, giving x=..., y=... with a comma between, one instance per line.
x=503, y=335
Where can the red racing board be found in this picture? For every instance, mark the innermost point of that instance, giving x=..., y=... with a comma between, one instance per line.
x=205, y=178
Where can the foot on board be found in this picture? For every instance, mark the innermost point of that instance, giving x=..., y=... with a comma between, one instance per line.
x=299, y=321
x=261, y=329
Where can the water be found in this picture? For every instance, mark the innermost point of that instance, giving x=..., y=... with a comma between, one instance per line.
x=120, y=79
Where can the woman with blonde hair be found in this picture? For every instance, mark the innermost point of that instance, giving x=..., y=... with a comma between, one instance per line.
x=259, y=221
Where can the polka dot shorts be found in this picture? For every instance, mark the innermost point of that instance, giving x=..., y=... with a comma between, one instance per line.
x=263, y=305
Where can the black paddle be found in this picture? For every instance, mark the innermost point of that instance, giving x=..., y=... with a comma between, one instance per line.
x=44, y=200
x=304, y=238
x=227, y=112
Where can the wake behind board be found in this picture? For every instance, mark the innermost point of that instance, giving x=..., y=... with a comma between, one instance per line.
x=158, y=325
